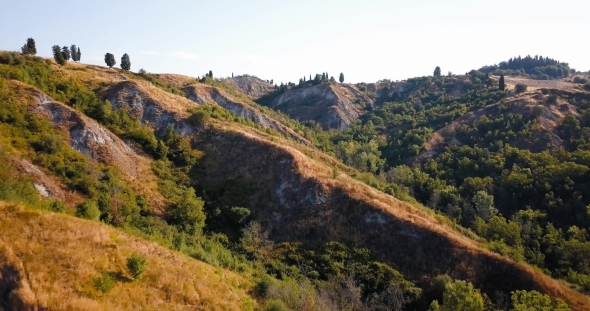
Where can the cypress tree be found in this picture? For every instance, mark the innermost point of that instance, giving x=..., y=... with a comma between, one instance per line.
x=125, y=62
x=501, y=84
x=65, y=51
x=78, y=55
x=109, y=59
x=29, y=47
x=437, y=71
x=73, y=52
x=57, y=55
x=341, y=79
x=210, y=74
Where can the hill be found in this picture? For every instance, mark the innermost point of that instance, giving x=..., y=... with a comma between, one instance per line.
x=246, y=197
x=51, y=262
x=250, y=86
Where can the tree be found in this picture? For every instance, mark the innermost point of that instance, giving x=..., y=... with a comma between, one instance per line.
x=65, y=51
x=57, y=55
x=109, y=59
x=501, y=84
x=484, y=204
x=341, y=79
x=188, y=213
x=210, y=74
x=78, y=55
x=461, y=296
x=535, y=301
x=73, y=50
x=125, y=62
x=29, y=47
x=437, y=71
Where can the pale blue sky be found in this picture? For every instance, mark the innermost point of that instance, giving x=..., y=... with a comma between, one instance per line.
x=285, y=40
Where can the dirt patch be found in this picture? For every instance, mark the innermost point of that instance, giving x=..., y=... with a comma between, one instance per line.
x=531, y=84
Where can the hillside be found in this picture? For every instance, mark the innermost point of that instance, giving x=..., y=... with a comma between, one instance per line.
x=297, y=196
x=259, y=198
x=332, y=106
x=50, y=262
x=250, y=86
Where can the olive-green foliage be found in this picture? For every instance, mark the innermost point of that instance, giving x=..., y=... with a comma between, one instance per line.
x=199, y=117
x=89, y=210
x=136, y=265
x=188, y=213
x=535, y=301
x=337, y=262
x=105, y=282
x=461, y=296
x=11, y=58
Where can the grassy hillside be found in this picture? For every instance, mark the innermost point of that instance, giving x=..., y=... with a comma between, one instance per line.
x=58, y=262
x=310, y=232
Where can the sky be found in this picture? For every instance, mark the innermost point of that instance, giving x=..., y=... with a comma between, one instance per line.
x=367, y=40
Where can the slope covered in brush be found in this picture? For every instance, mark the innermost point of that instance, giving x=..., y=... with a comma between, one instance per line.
x=331, y=232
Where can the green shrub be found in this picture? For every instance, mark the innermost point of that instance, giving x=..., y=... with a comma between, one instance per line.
x=104, y=282
x=136, y=265
x=199, y=117
x=49, y=143
x=263, y=285
x=57, y=206
x=89, y=210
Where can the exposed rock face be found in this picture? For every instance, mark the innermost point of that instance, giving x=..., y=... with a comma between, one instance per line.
x=203, y=94
x=88, y=137
x=157, y=113
x=252, y=87
x=332, y=106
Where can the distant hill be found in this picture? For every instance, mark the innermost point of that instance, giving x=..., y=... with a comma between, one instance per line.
x=251, y=86
x=537, y=67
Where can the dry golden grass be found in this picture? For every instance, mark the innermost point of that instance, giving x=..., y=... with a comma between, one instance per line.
x=53, y=258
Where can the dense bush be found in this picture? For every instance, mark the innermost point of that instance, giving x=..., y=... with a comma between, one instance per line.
x=136, y=265
x=520, y=88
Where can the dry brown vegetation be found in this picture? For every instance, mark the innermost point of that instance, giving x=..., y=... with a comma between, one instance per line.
x=48, y=261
